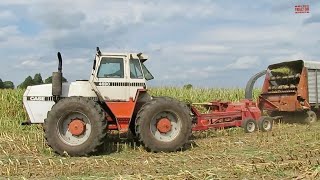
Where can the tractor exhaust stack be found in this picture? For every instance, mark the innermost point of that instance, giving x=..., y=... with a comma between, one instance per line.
x=57, y=79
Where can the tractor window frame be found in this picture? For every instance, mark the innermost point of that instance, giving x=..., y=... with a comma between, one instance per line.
x=104, y=72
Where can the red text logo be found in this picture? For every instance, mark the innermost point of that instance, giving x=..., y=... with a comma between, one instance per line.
x=302, y=9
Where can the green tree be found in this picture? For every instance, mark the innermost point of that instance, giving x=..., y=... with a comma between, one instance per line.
x=49, y=80
x=187, y=86
x=1, y=84
x=37, y=79
x=8, y=85
x=27, y=82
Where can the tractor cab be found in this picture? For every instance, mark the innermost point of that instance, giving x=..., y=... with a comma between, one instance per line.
x=118, y=76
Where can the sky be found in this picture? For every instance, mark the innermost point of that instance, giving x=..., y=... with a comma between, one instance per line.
x=207, y=43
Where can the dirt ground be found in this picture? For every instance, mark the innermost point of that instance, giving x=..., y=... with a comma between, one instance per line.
x=290, y=151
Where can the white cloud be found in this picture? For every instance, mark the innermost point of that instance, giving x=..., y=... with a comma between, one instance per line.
x=243, y=63
x=291, y=57
x=7, y=31
x=314, y=18
x=7, y=16
x=187, y=52
x=77, y=61
x=17, y=2
x=35, y=64
x=249, y=34
x=201, y=48
x=185, y=39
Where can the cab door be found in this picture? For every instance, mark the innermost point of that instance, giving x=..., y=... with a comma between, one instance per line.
x=136, y=77
x=111, y=78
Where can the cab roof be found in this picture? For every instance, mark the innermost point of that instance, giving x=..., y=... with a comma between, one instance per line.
x=141, y=56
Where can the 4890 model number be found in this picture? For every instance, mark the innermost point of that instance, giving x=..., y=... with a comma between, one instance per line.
x=104, y=84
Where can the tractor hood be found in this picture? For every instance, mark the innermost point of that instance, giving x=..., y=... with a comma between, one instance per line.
x=38, y=100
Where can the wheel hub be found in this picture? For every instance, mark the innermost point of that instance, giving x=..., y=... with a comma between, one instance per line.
x=77, y=127
x=164, y=125
x=251, y=127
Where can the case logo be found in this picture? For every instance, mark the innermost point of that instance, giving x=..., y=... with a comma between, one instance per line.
x=36, y=98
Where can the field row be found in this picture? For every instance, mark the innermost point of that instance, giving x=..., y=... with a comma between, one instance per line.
x=289, y=151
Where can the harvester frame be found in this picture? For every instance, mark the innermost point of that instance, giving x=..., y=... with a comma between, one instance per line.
x=222, y=115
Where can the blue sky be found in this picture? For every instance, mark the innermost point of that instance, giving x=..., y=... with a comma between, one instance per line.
x=207, y=43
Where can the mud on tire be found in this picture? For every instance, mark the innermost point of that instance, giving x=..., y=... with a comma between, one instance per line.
x=164, y=124
x=57, y=126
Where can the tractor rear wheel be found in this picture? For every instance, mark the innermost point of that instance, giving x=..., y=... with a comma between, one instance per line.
x=164, y=124
x=75, y=126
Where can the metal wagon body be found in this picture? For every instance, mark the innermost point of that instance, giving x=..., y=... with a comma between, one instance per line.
x=292, y=87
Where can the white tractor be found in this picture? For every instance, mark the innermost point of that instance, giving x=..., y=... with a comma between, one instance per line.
x=77, y=116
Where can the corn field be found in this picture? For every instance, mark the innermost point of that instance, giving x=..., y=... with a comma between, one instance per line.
x=290, y=151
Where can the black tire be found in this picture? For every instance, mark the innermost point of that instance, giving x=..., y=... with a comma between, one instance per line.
x=164, y=107
x=265, y=123
x=249, y=125
x=310, y=117
x=133, y=128
x=92, y=115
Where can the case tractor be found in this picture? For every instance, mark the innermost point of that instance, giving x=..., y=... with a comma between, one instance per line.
x=77, y=116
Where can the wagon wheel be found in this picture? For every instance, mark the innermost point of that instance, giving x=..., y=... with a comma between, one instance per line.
x=310, y=117
x=265, y=123
x=249, y=125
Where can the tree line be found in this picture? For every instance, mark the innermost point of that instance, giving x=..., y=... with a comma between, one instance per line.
x=29, y=81
x=6, y=84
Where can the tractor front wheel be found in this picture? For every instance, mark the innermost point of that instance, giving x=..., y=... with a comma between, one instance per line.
x=75, y=126
x=163, y=124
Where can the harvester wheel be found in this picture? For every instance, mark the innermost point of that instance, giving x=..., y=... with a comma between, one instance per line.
x=310, y=117
x=75, y=126
x=164, y=124
x=249, y=125
x=265, y=123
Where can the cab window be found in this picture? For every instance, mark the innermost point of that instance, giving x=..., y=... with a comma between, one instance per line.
x=148, y=76
x=135, y=69
x=111, y=68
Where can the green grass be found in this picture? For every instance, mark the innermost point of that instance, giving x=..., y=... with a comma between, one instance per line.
x=290, y=151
